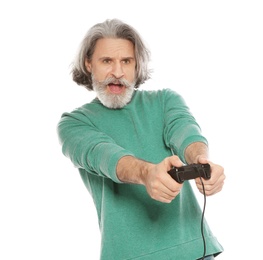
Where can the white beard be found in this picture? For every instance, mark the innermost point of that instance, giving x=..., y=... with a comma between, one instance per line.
x=110, y=100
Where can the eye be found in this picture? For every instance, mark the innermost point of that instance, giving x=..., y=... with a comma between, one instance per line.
x=126, y=61
x=106, y=61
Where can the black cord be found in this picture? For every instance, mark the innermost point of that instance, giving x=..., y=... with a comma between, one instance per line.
x=202, y=219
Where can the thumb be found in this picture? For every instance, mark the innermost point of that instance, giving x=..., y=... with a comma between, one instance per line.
x=202, y=159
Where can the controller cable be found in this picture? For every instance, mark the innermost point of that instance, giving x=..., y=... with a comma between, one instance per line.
x=202, y=219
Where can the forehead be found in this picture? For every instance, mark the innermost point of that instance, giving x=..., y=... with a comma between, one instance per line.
x=109, y=47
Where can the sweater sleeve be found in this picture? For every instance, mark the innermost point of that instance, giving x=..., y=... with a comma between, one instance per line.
x=87, y=147
x=180, y=127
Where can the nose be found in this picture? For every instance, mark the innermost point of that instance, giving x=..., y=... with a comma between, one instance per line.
x=117, y=70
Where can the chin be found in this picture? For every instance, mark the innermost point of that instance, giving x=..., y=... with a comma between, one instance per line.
x=116, y=101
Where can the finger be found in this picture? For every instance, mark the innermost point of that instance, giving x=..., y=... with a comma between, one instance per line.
x=164, y=200
x=211, y=189
x=173, y=161
x=217, y=174
x=209, y=192
x=165, y=194
x=167, y=198
x=172, y=190
x=163, y=197
x=203, y=160
x=217, y=177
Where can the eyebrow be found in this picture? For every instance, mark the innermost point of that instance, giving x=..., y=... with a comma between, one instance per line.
x=110, y=58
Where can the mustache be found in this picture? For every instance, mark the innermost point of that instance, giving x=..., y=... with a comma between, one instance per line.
x=115, y=81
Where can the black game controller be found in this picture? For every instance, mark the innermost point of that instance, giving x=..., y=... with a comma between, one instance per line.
x=191, y=171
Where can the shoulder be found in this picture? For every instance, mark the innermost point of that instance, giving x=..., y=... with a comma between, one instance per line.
x=151, y=94
x=162, y=96
x=85, y=111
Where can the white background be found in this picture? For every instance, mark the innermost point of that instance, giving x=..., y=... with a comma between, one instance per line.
x=209, y=51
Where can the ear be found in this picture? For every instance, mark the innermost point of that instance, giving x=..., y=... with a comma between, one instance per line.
x=88, y=65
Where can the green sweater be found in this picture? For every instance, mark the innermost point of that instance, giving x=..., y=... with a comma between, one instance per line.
x=133, y=225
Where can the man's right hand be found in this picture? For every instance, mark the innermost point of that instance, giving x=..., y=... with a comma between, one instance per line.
x=158, y=183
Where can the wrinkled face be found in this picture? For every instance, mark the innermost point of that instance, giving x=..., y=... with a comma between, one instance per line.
x=113, y=71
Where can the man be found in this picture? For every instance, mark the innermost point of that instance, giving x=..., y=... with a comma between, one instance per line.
x=125, y=141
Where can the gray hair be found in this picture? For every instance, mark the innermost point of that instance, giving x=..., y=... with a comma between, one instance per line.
x=110, y=29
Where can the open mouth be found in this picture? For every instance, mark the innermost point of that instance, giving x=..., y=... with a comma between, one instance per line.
x=116, y=88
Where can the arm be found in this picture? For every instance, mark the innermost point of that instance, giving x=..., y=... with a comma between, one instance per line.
x=195, y=151
x=181, y=129
x=183, y=135
x=88, y=147
x=159, y=185
x=98, y=153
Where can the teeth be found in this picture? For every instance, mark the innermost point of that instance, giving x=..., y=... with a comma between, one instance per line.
x=116, y=84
